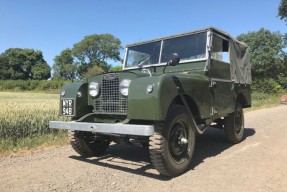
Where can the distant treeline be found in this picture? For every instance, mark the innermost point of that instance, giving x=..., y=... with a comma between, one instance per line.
x=31, y=85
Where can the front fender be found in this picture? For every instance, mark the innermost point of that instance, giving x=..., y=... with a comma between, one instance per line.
x=81, y=106
x=151, y=106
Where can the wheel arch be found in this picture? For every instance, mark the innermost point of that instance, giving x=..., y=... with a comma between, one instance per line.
x=241, y=98
x=191, y=105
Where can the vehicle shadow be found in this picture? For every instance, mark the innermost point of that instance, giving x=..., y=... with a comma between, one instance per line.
x=212, y=143
x=136, y=160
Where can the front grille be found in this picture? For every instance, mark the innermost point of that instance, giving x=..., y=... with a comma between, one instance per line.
x=110, y=101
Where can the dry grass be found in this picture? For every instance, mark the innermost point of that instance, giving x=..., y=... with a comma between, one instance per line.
x=24, y=120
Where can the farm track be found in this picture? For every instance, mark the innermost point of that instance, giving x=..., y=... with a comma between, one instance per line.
x=256, y=164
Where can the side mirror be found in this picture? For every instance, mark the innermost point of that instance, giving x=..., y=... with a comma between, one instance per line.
x=173, y=59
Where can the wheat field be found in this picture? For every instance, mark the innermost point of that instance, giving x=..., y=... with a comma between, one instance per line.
x=26, y=115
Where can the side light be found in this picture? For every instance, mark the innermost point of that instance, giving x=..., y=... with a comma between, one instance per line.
x=79, y=94
x=149, y=88
x=63, y=93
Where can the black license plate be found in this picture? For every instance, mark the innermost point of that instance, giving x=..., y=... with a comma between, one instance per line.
x=68, y=106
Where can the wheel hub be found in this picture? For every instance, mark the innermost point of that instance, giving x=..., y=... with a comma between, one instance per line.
x=178, y=143
x=182, y=141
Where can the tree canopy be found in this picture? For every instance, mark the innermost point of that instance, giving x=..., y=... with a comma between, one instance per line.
x=64, y=66
x=96, y=50
x=267, y=54
x=16, y=63
x=282, y=10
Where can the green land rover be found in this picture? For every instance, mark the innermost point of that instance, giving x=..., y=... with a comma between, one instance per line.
x=170, y=89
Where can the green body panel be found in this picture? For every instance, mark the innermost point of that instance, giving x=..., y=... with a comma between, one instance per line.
x=143, y=105
x=219, y=70
x=81, y=103
x=222, y=87
x=189, y=80
x=212, y=100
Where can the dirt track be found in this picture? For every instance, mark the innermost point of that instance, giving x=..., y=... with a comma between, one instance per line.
x=259, y=163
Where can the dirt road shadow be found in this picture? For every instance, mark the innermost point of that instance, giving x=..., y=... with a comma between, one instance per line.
x=136, y=160
x=212, y=143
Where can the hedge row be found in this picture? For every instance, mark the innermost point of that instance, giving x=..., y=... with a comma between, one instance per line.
x=268, y=86
x=263, y=85
x=30, y=85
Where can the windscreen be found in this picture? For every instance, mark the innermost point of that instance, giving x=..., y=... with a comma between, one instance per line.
x=189, y=47
x=144, y=54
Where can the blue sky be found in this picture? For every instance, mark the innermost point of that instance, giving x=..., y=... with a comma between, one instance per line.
x=54, y=25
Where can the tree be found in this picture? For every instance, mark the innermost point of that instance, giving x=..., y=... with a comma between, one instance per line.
x=64, y=66
x=267, y=54
x=282, y=10
x=282, y=13
x=4, y=68
x=41, y=71
x=19, y=64
x=93, y=71
x=96, y=50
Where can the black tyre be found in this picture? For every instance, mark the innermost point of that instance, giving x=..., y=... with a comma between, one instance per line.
x=172, y=145
x=86, y=145
x=234, y=125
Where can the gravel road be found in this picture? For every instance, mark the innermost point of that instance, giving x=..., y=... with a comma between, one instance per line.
x=256, y=164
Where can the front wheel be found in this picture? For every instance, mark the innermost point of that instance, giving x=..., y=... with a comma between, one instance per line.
x=172, y=145
x=86, y=144
x=234, y=125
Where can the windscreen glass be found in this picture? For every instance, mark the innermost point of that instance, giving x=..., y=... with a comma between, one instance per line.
x=145, y=54
x=188, y=48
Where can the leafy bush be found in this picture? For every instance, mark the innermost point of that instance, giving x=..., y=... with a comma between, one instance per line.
x=267, y=86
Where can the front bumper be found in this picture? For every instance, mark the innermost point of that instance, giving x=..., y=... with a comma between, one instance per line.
x=105, y=128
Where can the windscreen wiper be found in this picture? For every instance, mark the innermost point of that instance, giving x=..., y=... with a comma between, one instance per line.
x=141, y=62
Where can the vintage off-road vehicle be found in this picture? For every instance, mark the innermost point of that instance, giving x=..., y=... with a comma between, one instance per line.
x=170, y=89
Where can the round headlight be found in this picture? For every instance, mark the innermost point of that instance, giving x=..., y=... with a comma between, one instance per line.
x=94, y=89
x=124, y=87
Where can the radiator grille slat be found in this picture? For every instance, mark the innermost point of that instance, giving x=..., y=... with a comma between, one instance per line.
x=110, y=101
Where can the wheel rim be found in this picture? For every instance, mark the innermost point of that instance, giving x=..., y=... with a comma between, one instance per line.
x=238, y=122
x=179, y=142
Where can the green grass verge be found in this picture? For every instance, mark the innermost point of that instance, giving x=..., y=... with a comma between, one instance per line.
x=8, y=146
x=264, y=100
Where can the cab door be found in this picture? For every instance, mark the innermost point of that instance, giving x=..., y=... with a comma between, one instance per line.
x=221, y=85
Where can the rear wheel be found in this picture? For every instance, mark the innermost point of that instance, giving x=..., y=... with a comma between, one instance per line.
x=172, y=145
x=234, y=125
x=86, y=144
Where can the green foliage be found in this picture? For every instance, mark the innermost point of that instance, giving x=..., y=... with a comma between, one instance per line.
x=282, y=10
x=41, y=71
x=30, y=85
x=116, y=68
x=267, y=53
x=95, y=70
x=267, y=86
x=262, y=99
x=16, y=63
x=64, y=66
x=95, y=50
